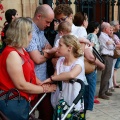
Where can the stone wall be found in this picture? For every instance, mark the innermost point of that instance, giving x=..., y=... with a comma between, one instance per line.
x=115, y=12
x=25, y=8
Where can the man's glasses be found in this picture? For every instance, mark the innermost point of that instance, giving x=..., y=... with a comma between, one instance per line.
x=60, y=20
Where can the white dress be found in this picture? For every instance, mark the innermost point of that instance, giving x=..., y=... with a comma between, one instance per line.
x=69, y=91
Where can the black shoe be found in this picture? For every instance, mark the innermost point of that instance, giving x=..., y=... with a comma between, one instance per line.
x=104, y=97
x=108, y=94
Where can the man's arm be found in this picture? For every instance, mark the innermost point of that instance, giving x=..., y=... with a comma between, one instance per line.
x=35, y=49
x=37, y=57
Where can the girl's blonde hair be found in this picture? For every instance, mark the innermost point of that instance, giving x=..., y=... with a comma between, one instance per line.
x=71, y=40
x=18, y=32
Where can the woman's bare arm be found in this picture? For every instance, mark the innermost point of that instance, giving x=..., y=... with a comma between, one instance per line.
x=15, y=71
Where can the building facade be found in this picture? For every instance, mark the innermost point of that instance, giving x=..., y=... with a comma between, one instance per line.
x=24, y=8
x=97, y=10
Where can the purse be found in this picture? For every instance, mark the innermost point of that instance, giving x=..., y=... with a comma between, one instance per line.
x=89, y=66
x=16, y=108
x=116, y=53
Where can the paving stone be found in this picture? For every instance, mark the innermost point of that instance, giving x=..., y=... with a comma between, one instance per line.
x=107, y=109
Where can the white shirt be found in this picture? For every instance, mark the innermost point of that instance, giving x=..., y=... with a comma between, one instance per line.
x=69, y=91
x=106, y=49
x=79, y=32
x=56, y=43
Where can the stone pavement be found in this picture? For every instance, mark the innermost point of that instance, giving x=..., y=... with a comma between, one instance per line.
x=107, y=109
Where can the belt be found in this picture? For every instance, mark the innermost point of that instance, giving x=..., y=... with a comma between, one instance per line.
x=12, y=96
x=107, y=56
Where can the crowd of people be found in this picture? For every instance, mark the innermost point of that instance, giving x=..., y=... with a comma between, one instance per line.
x=28, y=53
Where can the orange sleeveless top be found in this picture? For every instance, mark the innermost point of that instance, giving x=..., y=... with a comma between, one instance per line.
x=28, y=70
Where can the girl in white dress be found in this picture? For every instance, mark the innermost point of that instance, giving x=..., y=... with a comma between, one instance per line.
x=69, y=66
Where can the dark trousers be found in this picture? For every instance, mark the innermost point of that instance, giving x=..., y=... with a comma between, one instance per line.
x=45, y=108
x=106, y=74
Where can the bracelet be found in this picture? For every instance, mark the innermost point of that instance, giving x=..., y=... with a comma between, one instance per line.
x=44, y=91
x=51, y=79
x=42, y=53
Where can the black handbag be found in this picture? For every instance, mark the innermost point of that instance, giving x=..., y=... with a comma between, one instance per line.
x=15, y=109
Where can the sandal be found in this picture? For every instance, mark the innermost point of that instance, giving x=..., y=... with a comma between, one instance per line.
x=96, y=101
x=117, y=86
x=112, y=89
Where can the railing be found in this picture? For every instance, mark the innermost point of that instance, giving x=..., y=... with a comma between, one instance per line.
x=97, y=10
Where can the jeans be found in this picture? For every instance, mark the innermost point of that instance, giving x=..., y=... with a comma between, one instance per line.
x=90, y=90
x=117, y=64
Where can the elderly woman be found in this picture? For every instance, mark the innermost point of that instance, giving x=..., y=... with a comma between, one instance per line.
x=17, y=69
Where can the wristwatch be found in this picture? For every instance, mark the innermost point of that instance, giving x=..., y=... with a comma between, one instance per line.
x=42, y=53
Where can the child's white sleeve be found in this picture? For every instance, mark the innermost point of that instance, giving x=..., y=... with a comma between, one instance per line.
x=57, y=43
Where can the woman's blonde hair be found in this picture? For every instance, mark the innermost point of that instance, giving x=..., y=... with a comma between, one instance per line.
x=18, y=32
x=71, y=40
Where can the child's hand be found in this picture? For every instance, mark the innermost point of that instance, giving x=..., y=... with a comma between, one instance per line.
x=46, y=50
x=54, y=50
x=47, y=81
x=51, y=51
x=47, y=46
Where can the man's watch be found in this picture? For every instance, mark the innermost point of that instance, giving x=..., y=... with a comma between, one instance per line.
x=42, y=53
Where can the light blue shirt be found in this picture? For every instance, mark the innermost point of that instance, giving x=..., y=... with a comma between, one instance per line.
x=38, y=42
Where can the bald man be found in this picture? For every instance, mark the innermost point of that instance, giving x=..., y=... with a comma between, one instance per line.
x=107, y=47
x=43, y=16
